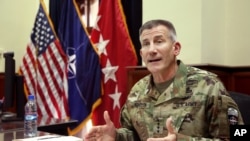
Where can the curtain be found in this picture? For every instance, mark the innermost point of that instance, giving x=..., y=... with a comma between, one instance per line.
x=133, y=13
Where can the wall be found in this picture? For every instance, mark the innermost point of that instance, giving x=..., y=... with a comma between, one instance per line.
x=213, y=47
x=186, y=16
x=237, y=32
x=211, y=31
x=16, y=22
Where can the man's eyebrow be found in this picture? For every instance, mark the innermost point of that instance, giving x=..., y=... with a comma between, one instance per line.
x=155, y=37
x=145, y=40
x=158, y=36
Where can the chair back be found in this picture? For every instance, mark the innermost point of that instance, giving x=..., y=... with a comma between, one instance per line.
x=243, y=102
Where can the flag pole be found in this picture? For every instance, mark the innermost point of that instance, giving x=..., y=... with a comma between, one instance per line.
x=88, y=13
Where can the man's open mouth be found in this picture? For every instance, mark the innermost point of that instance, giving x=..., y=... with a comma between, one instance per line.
x=153, y=60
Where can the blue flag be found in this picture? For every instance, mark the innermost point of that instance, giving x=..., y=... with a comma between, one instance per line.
x=84, y=70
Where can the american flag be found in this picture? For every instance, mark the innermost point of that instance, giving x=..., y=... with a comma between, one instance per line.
x=44, y=68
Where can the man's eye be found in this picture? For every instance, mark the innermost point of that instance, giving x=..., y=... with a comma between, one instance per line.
x=145, y=44
x=159, y=41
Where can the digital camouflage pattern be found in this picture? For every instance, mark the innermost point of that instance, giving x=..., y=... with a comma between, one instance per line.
x=196, y=100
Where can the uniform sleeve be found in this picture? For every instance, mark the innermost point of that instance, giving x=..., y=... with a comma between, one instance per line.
x=123, y=134
x=217, y=105
x=126, y=133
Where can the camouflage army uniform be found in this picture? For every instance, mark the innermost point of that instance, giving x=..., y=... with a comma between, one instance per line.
x=196, y=100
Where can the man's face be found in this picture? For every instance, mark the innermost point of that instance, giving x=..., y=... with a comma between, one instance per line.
x=158, y=50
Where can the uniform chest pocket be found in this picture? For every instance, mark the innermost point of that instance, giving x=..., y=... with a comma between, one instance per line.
x=180, y=111
x=178, y=116
x=143, y=112
x=142, y=118
x=185, y=114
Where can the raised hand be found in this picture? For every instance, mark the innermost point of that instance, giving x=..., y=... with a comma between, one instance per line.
x=171, y=133
x=103, y=132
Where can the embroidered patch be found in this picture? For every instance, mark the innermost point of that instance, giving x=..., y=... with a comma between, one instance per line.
x=233, y=115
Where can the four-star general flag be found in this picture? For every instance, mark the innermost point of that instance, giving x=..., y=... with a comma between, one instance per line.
x=115, y=47
x=84, y=69
x=44, y=68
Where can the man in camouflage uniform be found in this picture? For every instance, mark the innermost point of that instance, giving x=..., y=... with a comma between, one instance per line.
x=175, y=102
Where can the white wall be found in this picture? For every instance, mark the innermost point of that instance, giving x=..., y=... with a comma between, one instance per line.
x=186, y=16
x=211, y=31
x=213, y=47
x=237, y=35
x=16, y=21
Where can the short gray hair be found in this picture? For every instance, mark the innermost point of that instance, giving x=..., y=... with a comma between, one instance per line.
x=154, y=23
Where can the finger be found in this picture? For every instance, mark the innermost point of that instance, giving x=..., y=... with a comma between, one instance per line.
x=107, y=118
x=91, y=132
x=170, y=126
x=156, y=139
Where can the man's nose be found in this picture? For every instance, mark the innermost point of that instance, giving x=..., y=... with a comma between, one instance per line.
x=152, y=47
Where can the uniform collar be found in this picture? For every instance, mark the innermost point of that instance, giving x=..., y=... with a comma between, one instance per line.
x=177, y=88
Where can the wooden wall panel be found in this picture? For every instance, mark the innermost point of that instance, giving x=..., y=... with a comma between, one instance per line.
x=1, y=85
x=134, y=74
x=225, y=77
x=241, y=82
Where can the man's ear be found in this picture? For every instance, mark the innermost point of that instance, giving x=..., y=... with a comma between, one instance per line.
x=177, y=48
x=140, y=53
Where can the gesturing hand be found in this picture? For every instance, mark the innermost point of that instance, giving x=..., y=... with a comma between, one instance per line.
x=103, y=132
x=171, y=133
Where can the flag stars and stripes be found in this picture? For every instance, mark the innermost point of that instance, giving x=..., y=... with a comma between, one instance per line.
x=42, y=34
x=101, y=45
x=44, y=69
x=109, y=71
x=116, y=97
x=96, y=25
x=114, y=45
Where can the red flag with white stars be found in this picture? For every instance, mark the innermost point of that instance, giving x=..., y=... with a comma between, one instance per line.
x=110, y=35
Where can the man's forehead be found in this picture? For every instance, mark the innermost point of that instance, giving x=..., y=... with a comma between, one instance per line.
x=156, y=31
